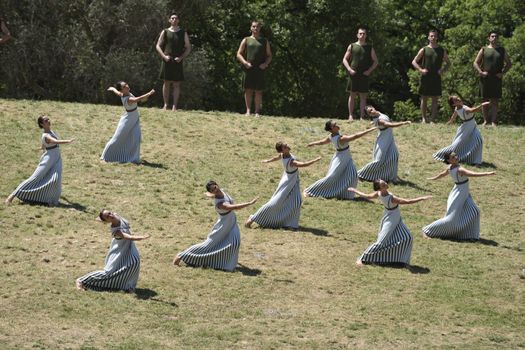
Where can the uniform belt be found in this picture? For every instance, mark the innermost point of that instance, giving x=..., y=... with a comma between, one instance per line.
x=48, y=148
x=462, y=182
x=222, y=214
x=291, y=172
x=131, y=110
x=467, y=120
x=392, y=208
x=343, y=149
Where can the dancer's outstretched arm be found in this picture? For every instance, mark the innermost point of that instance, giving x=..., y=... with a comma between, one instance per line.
x=399, y=200
x=273, y=159
x=372, y=195
x=320, y=142
x=228, y=206
x=123, y=235
x=477, y=108
x=439, y=176
x=464, y=172
x=355, y=136
x=305, y=164
x=140, y=98
x=452, y=118
x=115, y=91
x=393, y=124
x=51, y=139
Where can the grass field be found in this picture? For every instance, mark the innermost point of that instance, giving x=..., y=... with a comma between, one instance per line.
x=292, y=289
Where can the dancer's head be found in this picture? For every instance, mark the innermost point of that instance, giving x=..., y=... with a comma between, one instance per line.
x=106, y=215
x=331, y=126
x=282, y=147
x=450, y=158
x=43, y=119
x=454, y=100
x=121, y=86
x=371, y=111
x=211, y=186
x=379, y=185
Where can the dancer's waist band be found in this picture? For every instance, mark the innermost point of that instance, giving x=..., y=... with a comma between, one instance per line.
x=52, y=147
x=392, y=208
x=466, y=120
x=292, y=172
x=222, y=214
x=131, y=110
x=462, y=182
x=343, y=149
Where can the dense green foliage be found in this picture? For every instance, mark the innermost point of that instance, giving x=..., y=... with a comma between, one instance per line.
x=72, y=51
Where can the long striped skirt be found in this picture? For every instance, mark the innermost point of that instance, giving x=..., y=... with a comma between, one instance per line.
x=394, y=241
x=385, y=159
x=220, y=250
x=45, y=185
x=120, y=273
x=461, y=220
x=124, y=146
x=467, y=144
x=284, y=208
x=341, y=175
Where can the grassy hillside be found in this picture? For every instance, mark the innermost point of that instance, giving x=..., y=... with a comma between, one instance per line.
x=292, y=289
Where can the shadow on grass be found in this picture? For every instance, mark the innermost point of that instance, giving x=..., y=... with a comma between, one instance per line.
x=245, y=270
x=314, y=231
x=71, y=205
x=488, y=165
x=149, y=294
x=153, y=165
x=412, y=268
x=401, y=182
x=483, y=241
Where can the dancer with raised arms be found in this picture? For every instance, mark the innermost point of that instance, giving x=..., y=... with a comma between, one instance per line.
x=341, y=173
x=284, y=208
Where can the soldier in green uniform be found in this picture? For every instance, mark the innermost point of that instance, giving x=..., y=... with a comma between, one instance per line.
x=429, y=62
x=173, y=46
x=255, y=55
x=492, y=62
x=359, y=60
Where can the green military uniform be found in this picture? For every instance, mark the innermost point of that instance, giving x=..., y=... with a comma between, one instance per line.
x=493, y=61
x=253, y=78
x=432, y=61
x=361, y=60
x=174, y=46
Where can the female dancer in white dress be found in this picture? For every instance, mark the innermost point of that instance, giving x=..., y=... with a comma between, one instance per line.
x=284, y=208
x=124, y=146
x=385, y=157
x=122, y=266
x=468, y=143
x=461, y=220
x=341, y=173
x=221, y=249
x=45, y=185
x=394, y=241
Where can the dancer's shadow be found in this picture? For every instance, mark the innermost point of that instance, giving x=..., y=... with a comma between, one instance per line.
x=401, y=182
x=483, y=241
x=412, y=268
x=245, y=270
x=488, y=165
x=418, y=269
x=72, y=205
x=153, y=165
x=149, y=294
x=314, y=231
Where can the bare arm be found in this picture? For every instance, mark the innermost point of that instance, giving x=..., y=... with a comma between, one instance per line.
x=372, y=195
x=240, y=54
x=375, y=63
x=355, y=136
x=187, y=48
x=477, y=63
x=452, y=117
x=228, y=206
x=51, y=139
x=398, y=200
x=464, y=172
x=115, y=91
x=159, y=45
x=418, y=58
x=5, y=33
x=320, y=142
x=273, y=159
x=265, y=64
x=393, y=124
x=439, y=176
x=305, y=164
x=140, y=98
x=346, y=60
x=477, y=108
x=123, y=235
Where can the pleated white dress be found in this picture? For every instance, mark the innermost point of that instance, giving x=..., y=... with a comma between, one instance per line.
x=462, y=218
x=284, y=208
x=122, y=265
x=467, y=144
x=124, y=146
x=221, y=249
x=45, y=185
x=385, y=157
x=394, y=241
x=341, y=174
